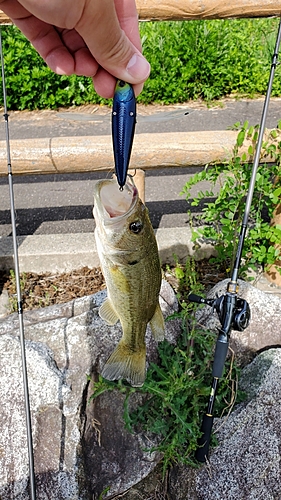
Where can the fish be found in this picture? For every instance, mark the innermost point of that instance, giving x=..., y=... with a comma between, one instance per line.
x=123, y=128
x=129, y=259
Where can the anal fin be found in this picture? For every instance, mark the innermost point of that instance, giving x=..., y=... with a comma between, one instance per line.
x=157, y=324
x=107, y=313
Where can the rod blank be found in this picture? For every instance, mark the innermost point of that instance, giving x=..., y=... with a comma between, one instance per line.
x=18, y=289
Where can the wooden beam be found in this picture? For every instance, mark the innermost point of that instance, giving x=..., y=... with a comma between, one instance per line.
x=89, y=154
x=157, y=10
x=4, y=19
x=207, y=9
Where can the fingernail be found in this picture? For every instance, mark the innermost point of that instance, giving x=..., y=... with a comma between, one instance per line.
x=138, y=67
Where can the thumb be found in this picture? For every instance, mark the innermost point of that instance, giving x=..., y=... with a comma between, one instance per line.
x=111, y=33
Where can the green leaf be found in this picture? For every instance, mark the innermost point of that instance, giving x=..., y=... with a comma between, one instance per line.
x=277, y=192
x=240, y=138
x=250, y=131
x=273, y=134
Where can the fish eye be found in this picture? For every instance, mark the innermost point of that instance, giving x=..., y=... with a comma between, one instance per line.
x=136, y=227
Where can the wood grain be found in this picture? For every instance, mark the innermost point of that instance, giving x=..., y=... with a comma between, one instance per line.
x=198, y=9
x=205, y=9
x=88, y=154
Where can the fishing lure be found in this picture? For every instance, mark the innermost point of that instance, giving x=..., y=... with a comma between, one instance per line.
x=123, y=128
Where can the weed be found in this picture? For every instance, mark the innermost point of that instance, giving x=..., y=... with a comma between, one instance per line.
x=103, y=493
x=13, y=299
x=207, y=59
x=222, y=216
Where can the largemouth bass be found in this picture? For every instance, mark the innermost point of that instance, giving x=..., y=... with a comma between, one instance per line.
x=129, y=260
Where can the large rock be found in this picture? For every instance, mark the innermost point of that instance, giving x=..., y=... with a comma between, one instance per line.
x=80, y=449
x=54, y=455
x=246, y=462
x=264, y=327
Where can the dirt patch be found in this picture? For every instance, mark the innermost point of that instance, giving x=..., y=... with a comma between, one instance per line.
x=41, y=290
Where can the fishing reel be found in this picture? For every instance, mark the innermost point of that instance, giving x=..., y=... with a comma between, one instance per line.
x=240, y=310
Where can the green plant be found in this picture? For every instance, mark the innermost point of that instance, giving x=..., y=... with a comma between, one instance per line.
x=222, y=215
x=205, y=59
x=32, y=85
x=13, y=300
x=176, y=389
x=103, y=493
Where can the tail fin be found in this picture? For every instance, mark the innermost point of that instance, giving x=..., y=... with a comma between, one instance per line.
x=126, y=364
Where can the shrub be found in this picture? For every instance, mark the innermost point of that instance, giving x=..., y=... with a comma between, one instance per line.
x=223, y=214
x=189, y=60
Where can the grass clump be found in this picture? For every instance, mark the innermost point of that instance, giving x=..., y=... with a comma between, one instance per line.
x=32, y=85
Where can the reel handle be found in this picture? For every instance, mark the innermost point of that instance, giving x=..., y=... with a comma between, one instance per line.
x=200, y=300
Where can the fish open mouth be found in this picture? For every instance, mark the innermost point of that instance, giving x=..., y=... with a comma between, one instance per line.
x=116, y=202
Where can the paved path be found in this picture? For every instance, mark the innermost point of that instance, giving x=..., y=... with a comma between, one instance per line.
x=96, y=120
x=63, y=203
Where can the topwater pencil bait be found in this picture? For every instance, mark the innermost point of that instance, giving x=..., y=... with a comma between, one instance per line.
x=123, y=128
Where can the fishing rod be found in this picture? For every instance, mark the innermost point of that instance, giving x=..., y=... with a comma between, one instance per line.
x=18, y=289
x=233, y=312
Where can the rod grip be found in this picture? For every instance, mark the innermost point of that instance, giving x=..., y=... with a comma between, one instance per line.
x=219, y=357
x=204, y=442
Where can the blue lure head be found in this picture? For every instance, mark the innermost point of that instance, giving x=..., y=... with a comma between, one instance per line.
x=123, y=91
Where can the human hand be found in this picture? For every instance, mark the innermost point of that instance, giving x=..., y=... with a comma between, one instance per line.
x=97, y=38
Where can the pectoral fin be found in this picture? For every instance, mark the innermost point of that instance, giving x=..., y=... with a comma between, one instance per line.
x=157, y=324
x=107, y=313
